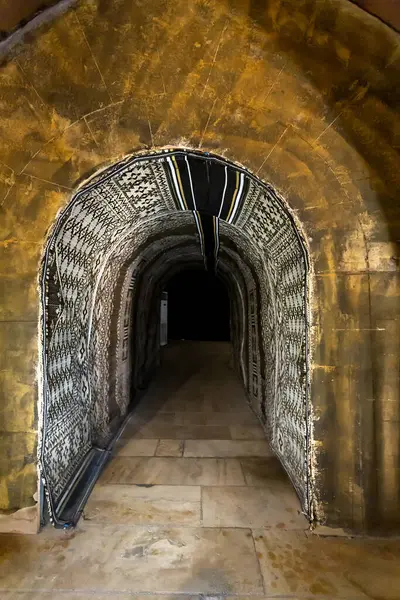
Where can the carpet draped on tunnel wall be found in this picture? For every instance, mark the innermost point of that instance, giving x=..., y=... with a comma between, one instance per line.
x=160, y=206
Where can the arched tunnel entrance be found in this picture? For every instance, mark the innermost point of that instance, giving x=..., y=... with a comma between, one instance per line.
x=164, y=222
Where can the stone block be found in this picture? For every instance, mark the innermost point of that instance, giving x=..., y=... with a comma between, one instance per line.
x=126, y=447
x=24, y=521
x=170, y=448
x=140, y=505
x=140, y=559
x=307, y=571
x=173, y=471
x=273, y=506
x=385, y=295
x=19, y=265
x=18, y=475
x=18, y=361
x=63, y=71
x=30, y=209
x=226, y=448
x=26, y=120
x=70, y=156
x=341, y=302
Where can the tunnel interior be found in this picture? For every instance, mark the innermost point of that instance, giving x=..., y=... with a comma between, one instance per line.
x=228, y=252
x=198, y=307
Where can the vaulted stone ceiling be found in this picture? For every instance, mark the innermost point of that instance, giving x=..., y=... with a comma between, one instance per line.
x=18, y=12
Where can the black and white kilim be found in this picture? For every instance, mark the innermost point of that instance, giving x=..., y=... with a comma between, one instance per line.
x=150, y=212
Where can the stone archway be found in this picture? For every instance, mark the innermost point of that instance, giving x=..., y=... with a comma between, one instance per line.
x=121, y=235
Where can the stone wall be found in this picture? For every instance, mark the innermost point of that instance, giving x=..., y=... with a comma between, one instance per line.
x=19, y=12
x=387, y=10
x=303, y=93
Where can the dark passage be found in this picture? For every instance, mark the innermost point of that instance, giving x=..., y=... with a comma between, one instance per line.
x=198, y=307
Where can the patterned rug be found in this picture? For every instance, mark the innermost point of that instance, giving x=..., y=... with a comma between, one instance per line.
x=120, y=238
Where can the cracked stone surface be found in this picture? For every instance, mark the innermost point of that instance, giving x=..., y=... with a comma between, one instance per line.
x=236, y=533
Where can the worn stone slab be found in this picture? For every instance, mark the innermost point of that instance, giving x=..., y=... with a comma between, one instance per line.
x=228, y=403
x=261, y=472
x=23, y=521
x=54, y=595
x=138, y=559
x=245, y=418
x=140, y=505
x=226, y=448
x=199, y=396
x=173, y=471
x=218, y=400
x=177, y=432
x=161, y=405
x=170, y=448
x=98, y=595
x=247, y=432
x=372, y=565
x=141, y=447
x=251, y=507
x=154, y=417
x=292, y=563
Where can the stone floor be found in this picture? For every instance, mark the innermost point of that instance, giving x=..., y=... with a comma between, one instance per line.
x=193, y=505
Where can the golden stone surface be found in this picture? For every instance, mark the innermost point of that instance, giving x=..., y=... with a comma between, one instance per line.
x=304, y=95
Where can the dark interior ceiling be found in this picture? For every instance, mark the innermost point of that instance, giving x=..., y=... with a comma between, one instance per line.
x=386, y=10
x=17, y=12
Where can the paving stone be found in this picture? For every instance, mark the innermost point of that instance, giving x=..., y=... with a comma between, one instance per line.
x=371, y=565
x=161, y=405
x=140, y=505
x=154, y=417
x=227, y=403
x=54, y=595
x=173, y=471
x=247, y=432
x=245, y=418
x=292, y=563
x=142, y=447
x=225, y=448
x=177, y=432
x=139, y=559
x=260, y=472
x=251, y=507
x=170, y=448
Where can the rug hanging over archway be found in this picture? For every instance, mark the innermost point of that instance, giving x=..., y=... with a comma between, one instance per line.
x=161, y=204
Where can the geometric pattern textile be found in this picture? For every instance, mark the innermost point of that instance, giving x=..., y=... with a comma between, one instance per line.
x=149, y=210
